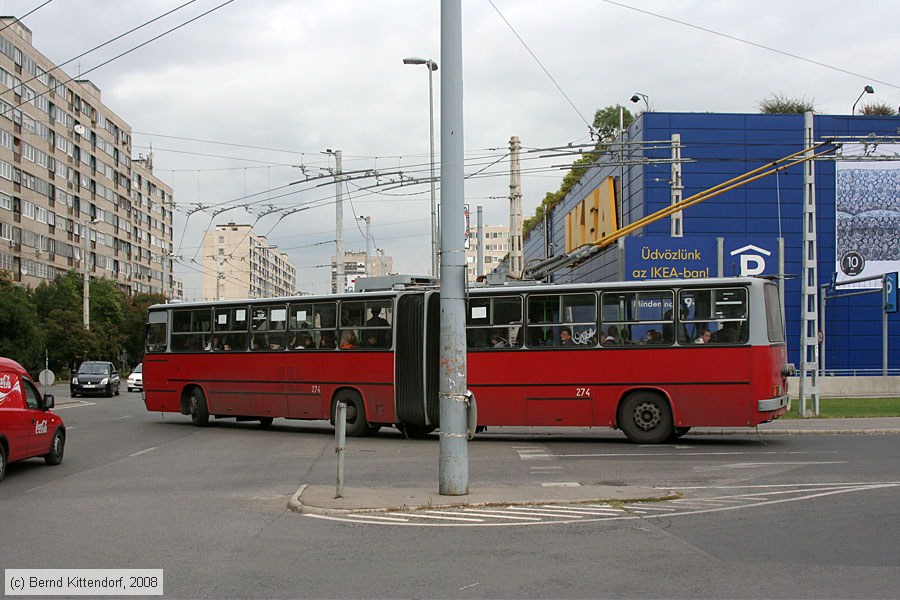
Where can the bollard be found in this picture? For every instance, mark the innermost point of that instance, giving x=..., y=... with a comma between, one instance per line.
x=340, y=436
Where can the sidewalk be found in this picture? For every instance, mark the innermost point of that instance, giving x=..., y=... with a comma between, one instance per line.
x=319, y=499
x=811, y=426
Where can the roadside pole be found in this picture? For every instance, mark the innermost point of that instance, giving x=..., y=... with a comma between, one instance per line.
x=454, y=460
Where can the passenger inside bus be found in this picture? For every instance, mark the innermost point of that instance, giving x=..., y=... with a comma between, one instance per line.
x=612, y=336
x=302, y=341
x=327, y=341
x=497, y=341
x=349, y=340
x=565, y=337
x=705, y=336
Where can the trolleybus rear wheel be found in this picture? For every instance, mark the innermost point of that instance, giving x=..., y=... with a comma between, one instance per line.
x=646, y=418
x=357, y=426
x=415, y=432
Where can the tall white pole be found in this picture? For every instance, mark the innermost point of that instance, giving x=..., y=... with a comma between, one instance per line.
x=339, y=283
x=454, y=459
x=479, y=254
x=370, y=260
x=86, y=292
x=516, y=259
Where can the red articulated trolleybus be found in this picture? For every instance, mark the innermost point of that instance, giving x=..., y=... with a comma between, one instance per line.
x=652, y=358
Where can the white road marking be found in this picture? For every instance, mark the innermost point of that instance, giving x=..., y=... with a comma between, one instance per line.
x=120, y=418
x=561, y=484
x=76, y=404
x=492, y=514
x=143, y=451
x=744, y=496
x=686, y=454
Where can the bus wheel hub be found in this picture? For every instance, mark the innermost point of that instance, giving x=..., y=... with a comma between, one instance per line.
x=647, y=416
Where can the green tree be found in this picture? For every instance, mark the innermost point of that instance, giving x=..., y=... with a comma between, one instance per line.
x=882, y=109
x=108, y=319
x=136, y=323
x=606, y=126
x=780, y=104
x=60, y=305
x=21, y=336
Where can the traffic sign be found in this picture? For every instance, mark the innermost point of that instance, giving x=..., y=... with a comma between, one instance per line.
x=46, y=377
x=890, y=292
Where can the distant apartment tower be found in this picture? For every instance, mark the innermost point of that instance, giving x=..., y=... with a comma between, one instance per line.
x=496, y=246
x=71, y=198
x=238, y=264
x=355, y=267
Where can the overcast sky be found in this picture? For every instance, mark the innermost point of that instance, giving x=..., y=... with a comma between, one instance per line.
x=235, y=102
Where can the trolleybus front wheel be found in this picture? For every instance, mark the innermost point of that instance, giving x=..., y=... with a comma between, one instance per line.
x=646, y=418
x=199, y=410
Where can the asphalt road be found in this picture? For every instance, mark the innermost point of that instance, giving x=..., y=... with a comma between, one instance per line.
x=777, y=517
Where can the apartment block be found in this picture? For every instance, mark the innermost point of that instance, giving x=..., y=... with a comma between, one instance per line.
x=71, y=197
x=496, y=247
x=355, y=267
x=237, y=264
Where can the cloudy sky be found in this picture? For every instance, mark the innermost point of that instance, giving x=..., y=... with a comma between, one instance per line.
x=240, y=103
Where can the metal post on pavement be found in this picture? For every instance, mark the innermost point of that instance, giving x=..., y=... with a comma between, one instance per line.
x=454, y=459
x=340, y=437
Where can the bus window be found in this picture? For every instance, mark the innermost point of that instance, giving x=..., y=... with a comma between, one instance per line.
x=312, y=326
x=637, y=317
x=774, y=318
x=494, y=322
x=267, y=325
x=230, y=329
x=564, y=320
x=721, y=311
x=190, y=329
x=157, y=332
x=366, y=324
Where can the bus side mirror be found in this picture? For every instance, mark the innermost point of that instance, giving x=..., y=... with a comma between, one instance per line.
x=49, y=402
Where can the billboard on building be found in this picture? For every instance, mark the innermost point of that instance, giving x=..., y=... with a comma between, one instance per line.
x=649, y=257
x=867, y=212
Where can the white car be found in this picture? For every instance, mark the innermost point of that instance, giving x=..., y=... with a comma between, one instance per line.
x=136, y=379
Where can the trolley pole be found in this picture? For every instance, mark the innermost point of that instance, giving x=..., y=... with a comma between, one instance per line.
x=454, y=460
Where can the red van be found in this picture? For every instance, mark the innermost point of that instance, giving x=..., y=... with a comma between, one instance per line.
x=28, y=427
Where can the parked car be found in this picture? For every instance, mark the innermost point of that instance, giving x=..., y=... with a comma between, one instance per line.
x=95, y=377
x=135, y=381
x=28, y=427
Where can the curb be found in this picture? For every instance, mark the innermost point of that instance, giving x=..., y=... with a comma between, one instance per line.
x=296, y=505
x=792, y=432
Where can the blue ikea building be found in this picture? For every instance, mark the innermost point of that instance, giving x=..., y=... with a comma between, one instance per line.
x=857, y=193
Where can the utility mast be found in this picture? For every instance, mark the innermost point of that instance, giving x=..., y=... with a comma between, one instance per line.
x=339, y=283
x=516, y=256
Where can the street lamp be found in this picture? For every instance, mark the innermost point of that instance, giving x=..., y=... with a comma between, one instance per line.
x=86, y=291
x=432, y=67
x=866, y=90
x=638, y=97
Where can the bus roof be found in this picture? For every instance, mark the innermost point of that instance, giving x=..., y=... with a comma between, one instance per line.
x=508, y=287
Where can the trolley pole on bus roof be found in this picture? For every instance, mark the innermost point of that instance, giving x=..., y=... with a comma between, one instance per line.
x=454, y=459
